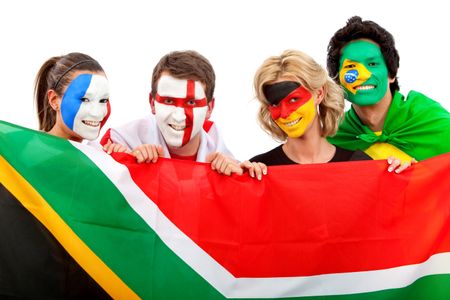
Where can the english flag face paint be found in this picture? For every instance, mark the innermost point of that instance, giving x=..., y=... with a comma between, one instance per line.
x=180, y=109
x=292, y=107
x=363, y=73
x=85, y=105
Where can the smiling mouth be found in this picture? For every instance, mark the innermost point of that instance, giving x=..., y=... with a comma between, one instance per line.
x=177, y=127
x=364, y=87
x=292, y=123
x=91, y=123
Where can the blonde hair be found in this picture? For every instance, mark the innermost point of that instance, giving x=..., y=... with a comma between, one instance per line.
x=306, y=71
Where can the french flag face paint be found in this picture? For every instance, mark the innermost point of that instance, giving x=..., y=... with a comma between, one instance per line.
x=85, y=105
x=180, y=109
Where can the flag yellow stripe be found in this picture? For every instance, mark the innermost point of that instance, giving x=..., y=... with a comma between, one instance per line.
x=87, y=259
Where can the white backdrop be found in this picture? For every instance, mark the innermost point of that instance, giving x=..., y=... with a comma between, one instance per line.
x=129, y=37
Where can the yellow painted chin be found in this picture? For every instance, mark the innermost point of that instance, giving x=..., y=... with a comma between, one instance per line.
x=363, y=75
x=302, y=117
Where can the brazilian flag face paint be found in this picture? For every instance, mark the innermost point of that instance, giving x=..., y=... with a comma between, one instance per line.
x=363, y=73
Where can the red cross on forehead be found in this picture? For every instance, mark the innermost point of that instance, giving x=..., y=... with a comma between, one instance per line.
x=190, y=92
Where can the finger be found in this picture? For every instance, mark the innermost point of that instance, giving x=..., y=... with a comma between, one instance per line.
x=147, y=153
x=258, y=171
x=403, y=167
x=159, y=149
x=154, y=153
x=263, y=168
x=138, y=154
x=390, y=159
x=210, y=157
x=106, y=146
x=394, y=165
x=413, y=161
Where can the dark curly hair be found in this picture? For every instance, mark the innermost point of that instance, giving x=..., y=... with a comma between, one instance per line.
x=355, y=29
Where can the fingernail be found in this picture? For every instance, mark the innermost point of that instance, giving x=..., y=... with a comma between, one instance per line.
x=259, y=177
x=389, y=169
x=265, y=172
x=397, y=171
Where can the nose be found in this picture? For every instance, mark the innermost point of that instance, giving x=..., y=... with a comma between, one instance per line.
x=285, y=110
x=98, y=110
x=179, y=115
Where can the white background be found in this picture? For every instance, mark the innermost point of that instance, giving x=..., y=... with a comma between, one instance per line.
x=129, y=37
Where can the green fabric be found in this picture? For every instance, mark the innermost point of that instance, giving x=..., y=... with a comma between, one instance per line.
x=416, y=125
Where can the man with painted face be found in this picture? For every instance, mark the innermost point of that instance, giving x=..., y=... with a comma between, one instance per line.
x=383, y=123
x=181, y=101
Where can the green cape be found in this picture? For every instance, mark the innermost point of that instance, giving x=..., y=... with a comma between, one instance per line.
x=416, y=125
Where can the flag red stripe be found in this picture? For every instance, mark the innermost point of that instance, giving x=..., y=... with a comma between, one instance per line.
x=307, y=220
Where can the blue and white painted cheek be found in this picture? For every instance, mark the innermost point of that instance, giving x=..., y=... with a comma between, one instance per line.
x=85, y=105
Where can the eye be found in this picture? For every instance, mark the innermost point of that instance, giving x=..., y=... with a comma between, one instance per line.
x=168, y=101
x=104, y=101
x=349, y=66
x=372, y=64
x=274, y=105
x=84, y=99
x=191, y=102
x=293, y=100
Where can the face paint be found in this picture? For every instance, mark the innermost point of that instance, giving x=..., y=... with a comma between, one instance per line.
x=363, y=73
x=295, y=112
x=180, y=109
x=85, y=105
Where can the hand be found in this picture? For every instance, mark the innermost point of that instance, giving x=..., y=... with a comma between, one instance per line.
x=397, y=165
x=223, y=164
x=111, y=147
x=254, y=168
x=147, y=153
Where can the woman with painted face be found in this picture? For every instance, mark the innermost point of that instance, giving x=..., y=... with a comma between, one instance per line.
x=301, y=106
x=72, y=101
x=72, y=98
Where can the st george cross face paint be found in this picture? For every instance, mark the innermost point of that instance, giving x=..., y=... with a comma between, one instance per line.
x=295, y=112
x=85, y=105
x=180, y=109
x=363, y=73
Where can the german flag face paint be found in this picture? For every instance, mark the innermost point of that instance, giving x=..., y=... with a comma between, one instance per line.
x=363, y=73
x=180, y=109
x=293, y=113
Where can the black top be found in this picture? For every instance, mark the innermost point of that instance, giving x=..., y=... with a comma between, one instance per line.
x=277, y=157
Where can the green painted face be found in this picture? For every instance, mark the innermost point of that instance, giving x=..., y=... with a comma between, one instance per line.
x=363, y=73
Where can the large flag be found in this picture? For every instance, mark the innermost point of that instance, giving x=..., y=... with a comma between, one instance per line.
x=177, y=230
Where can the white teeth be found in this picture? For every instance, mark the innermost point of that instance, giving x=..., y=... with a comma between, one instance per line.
x=91, y=123
x=365, y=87
x=292, y=123
x=177, y=127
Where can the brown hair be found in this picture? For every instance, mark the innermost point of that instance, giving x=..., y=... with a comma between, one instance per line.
x=307, y=72
x=55, y=74
x=186, y=65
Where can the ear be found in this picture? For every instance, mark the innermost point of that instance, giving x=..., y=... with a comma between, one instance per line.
x=210, y=108
x=152, y=102
x=391, y=80
x=320, y=94
x=53, y=99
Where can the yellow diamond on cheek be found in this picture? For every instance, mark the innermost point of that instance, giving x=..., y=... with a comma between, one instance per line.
x=354, y=76
x=296, y=124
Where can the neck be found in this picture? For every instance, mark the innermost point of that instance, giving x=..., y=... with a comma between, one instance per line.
x=59, y=132
x=374, y=116
x=189, y=149
x=311, y=147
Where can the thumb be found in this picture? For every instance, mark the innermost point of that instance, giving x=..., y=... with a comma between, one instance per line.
x=159, y=149
x=210, y=157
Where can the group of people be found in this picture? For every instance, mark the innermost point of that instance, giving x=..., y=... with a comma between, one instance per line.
x=301, y=105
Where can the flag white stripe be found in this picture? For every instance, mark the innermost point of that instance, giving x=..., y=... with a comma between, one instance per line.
x=232, y=287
